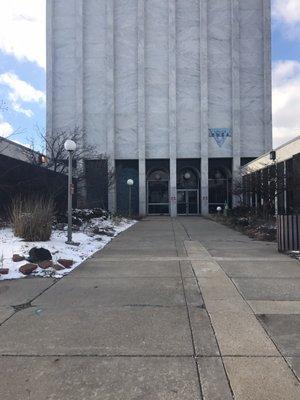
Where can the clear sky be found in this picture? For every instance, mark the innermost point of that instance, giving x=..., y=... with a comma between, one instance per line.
x=23, y=69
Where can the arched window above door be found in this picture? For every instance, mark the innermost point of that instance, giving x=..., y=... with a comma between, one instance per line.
x=158, y=175
x=158, y=191
x=220, y=173
x=187, y=178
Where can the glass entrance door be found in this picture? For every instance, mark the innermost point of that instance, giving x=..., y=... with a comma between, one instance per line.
x=193, y=202
x=158, y=197
x=188, y=202
x=181, y=202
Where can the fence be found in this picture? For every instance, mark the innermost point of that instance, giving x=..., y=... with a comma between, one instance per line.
x=21, y=178
x=288, y=232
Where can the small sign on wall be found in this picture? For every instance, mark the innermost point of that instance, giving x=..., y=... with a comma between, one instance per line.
x=220, y=135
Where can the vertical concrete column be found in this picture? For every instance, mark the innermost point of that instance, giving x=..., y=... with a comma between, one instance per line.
x=79, y=64
x=79, y=111
x=50, y=65
x=267, y=74
x=141, y=107
x=235, y=69
x=204, y=103
x=110, y=99
x=172, y=108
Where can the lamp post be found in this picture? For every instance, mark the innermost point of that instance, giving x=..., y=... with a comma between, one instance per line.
x=70, y=147
x=130, y=183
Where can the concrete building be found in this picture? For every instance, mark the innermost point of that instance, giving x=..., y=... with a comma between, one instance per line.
x=17, y=151
x=276, y=172
x=176, y=93
x=24, y=172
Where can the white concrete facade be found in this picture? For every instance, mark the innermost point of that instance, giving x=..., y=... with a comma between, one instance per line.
x=11, y=149
x=159, y=79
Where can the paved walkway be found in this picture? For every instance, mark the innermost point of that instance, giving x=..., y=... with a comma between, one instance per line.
x=178, y=309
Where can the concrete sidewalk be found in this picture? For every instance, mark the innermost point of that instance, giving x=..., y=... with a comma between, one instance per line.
x=177, y=309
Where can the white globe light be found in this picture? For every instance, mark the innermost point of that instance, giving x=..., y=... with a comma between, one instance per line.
x=187, y=175
x=219, y=208
x=70, y=145
x=130, y=182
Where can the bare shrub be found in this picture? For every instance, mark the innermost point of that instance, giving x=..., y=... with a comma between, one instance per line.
x=32, y=218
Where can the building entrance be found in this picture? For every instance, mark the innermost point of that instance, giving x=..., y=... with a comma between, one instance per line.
x=220, y=183
x=158, y=192
x=188, y=202
x=188, y=190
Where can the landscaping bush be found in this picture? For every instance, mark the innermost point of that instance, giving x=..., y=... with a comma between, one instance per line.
x=252, y=225
x=85, y=215
x=32, y=218
x=81, y=217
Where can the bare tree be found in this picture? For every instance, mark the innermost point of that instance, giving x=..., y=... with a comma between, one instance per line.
x=262, y=188
x=238, y=189
x=54, y=155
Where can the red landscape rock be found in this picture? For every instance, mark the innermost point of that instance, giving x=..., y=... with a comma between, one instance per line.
x=4, y=271
x=18, y=258
x=27, y=269
x=46, y=264
x=58, y=267
x=66, y=263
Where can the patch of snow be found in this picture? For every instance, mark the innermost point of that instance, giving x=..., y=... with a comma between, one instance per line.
x=89, y=244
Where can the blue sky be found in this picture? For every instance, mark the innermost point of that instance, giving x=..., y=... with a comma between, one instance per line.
x=23, y=69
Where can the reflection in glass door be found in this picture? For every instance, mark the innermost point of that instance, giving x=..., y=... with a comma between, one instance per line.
x=188, y=202
x=193, y=202
x=181, y=202
x=158, y=197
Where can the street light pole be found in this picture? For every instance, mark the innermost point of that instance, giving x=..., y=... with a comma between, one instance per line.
x=130, y=184
x=70, y=197
x=70, y=147
x=129, y=208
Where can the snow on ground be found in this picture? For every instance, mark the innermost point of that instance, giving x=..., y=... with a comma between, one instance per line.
x=9, y=245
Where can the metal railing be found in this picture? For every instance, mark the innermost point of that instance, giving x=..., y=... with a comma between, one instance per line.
x=288, y=232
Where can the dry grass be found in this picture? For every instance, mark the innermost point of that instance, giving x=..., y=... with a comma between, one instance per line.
x=32, y=218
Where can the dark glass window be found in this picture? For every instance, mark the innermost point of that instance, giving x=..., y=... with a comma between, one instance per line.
x=187, y=179
x=158, y=192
